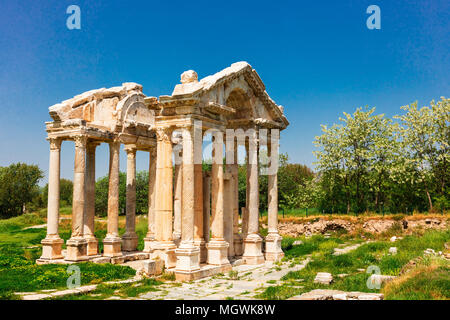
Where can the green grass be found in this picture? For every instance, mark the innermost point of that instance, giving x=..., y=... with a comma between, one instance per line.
x=373, y=253
x=425, y=283
x=123, y=290
x=19, y=249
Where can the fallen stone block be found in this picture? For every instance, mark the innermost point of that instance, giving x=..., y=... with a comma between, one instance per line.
x=153, y=267
x=323, y=277
x=393, y=250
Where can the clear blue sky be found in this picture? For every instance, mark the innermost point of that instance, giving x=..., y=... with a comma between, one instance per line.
x=317, y=59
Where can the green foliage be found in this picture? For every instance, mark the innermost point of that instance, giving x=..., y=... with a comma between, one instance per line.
x=65, y=192
x=369, y=163
x=101, y=193
x=18, y=187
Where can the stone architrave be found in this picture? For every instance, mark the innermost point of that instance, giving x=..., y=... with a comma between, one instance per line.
x=52, y=243
x=112, y=242
x=77, y=244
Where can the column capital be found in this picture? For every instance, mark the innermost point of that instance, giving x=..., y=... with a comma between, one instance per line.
x=130, y=148
x=164, y=134
x=80, y=141
x=55, y=143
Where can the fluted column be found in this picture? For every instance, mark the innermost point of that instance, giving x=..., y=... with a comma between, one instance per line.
x=273, y=250
x=77, y=245
x=253, y=242
x=199, y=235
x=112, y=241
x=149, y=239
x=177, y=209
x=130, y=238
x=52, y=244
x=217, y=246
x=188, y=255
x=165, y=247
x=89, y=214
x=206, y=204
x=237, y=239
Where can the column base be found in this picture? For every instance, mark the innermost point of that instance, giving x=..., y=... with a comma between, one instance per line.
x=188, y=259
x=149, y=244
x=52, y=248
x=201, y=244
x=176, y=238
x=76, y=249
x=92, y=245
x=166, y=252
x=253, y=250
x=217, y=252
x=129, y=242
x=273, y=247
x=238, y=245
x=112, y=247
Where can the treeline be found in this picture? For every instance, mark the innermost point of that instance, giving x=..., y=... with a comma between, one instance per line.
x=369, y=162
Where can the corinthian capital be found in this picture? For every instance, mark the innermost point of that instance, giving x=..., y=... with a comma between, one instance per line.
x=55, y=143
x=164, y=134
x=80, y=141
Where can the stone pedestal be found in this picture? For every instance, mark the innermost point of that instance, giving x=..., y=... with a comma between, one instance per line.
x=92, y=245
x=112, y=246
x=273, y=247
x=129, y=242
x=149, y=244
x=217, y=253
x=51, y=248
x=76, y=249
x=238, y=245
x=187, y=259
x=253, y=250
x=201, y=245
x=165, y=252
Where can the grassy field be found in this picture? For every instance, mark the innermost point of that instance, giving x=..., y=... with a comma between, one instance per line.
x=349, y=270
x=428, y=278
x=20, y=247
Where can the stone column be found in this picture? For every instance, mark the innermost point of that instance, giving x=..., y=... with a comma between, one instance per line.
x=199, y=235
x=149, y=240
x=177, y=203
x=112, y=242
x=253, y=242
x=52, y=244
x=130, y=238
x=206, y=204
x=217, y=246
x=165, y=247
x=228, y=210
x=89, y=214
x=188, y=255
x=77, y=245
x=245, y=209
x=237, y=239
x=273, y=250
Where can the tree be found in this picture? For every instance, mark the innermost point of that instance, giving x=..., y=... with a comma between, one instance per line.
x=426, y=138
x=18, y=187
x=65, y=194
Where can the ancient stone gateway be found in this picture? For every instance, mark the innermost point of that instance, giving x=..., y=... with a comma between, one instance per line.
x=193, y=216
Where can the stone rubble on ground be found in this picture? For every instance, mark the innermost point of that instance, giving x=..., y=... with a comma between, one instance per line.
x=323, y=294
x=393, y=250
x=323, y=277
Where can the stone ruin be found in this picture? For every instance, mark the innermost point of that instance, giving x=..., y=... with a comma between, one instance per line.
x=185, y=204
